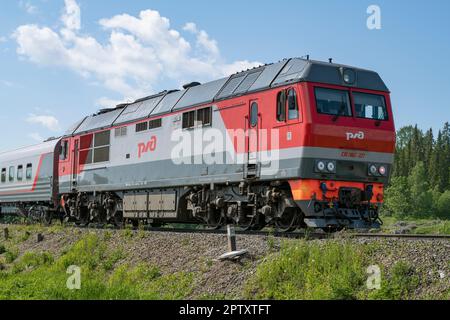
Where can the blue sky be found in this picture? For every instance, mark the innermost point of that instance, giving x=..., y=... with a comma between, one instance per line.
x=61, y=60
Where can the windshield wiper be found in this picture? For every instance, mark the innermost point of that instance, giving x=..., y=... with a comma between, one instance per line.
x=340, y=112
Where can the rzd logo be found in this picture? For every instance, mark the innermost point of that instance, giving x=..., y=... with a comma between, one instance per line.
x=150, y=146
x=357, y=135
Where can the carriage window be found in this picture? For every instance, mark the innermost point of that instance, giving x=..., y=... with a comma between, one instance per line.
x=292, y=105
x=254, y=114
x=29, y=172
x=370, y=106
x=3, y=175
x=281, y=106
x=11, y=173
x=20, y=173
x=333, y=102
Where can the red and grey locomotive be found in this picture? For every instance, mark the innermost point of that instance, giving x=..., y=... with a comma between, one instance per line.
x=292, y=144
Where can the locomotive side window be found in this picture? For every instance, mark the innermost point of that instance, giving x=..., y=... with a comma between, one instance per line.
x=11, y=173
x=64, y=149
x=204, y=116
x=3, y=175
x=20, y=173
x=254, y=114
x=143, y=126
x=101, y=146
x=370, y=106
x=292, y=105
x=153, y=124
x=120, y=132
x=281, y=106
x=333, y=102
x=200, y=117
x=29, y=172
x=188, y=119
x=97, y=151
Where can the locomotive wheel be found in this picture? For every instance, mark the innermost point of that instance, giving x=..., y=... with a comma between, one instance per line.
x=214, y=220
x=83, y=220
x=118, y=219
x=47, y=217
x=288, y=221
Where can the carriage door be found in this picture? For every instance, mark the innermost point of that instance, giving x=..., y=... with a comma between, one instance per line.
x=254, y=125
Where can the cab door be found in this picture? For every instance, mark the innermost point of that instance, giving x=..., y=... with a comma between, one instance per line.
x=75, y=162
x=252, y=168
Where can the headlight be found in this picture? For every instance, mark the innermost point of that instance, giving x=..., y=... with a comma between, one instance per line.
x=320, y=165
x=331, y=166
x=382, y=170
x=373, y=169
x=349, y=76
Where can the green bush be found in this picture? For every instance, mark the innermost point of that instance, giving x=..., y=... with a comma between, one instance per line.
x=443, y=204
x=307, y=271
x=400, y=284
x=39, y=276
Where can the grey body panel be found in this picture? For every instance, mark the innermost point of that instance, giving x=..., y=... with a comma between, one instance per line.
x=165, y=173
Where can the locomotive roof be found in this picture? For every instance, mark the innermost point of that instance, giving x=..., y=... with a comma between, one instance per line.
x=267, y=76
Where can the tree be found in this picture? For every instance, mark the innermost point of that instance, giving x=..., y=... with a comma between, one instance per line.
x=443, y=204
x=421, y=197
x=397, y=197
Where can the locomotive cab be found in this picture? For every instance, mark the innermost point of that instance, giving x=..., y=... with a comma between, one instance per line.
x=348, y=149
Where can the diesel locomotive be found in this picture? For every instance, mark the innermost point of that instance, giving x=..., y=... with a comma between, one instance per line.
x=298, y=143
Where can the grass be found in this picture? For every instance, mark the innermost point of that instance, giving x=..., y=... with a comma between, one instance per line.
x=40, y=276
x=420, y=225
x=332, y=270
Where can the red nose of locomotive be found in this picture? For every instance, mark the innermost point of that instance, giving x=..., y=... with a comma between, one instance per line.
x=347, y=159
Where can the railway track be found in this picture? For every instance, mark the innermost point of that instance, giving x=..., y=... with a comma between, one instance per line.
x=301, y=234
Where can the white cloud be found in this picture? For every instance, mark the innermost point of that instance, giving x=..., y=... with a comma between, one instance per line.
x=36, y=136
x=28, y=7
x=49, y=122
x=3, y=39
x=141, y=52
x=72, y=15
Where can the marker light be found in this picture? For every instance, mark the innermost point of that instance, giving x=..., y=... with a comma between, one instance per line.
x=373, y=170
x=382, y=170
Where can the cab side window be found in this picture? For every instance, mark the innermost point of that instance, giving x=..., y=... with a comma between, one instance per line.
x=292, y=105
x=287, y=105
x=63, y=150
x=281, y=106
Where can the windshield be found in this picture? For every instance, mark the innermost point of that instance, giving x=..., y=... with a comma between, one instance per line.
x=370, y=106
x=334, y=102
